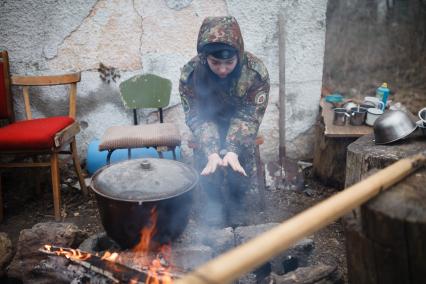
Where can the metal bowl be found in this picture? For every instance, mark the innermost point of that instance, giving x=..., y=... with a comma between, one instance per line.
x=392, y=126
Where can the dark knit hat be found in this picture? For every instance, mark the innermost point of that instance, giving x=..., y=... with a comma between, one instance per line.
x=219, y=50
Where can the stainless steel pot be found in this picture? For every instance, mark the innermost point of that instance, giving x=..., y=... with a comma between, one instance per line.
x=127, y=192
x=393, y=125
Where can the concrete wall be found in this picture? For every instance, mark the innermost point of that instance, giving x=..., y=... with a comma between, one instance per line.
x=159, y=36
x=304, y=25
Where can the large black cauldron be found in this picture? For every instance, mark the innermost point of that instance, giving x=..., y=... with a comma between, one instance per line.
x=128, y=191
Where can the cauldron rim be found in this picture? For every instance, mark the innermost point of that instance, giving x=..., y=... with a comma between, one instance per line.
x=140, y=201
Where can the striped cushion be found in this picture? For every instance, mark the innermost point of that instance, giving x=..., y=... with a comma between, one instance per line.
x=136, y=136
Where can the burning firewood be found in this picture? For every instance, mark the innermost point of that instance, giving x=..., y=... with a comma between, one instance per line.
x=108, y=266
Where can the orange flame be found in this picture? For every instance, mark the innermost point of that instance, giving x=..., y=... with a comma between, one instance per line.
x=69, y=253
x=158, y=270
x=147, y=233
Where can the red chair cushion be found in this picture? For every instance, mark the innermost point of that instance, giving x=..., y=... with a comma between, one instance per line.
x=34, y=134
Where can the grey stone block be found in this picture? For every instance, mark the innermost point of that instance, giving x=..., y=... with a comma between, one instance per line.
x=315, y=274
x=190, y=257
x=31, y=240
x=220, y=240
x=286, y=261
x=6, y=252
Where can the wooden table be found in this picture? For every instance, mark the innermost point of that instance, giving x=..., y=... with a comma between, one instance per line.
x=345, y=131
x=331, y=142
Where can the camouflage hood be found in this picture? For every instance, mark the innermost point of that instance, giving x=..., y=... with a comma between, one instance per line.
x=221, y=29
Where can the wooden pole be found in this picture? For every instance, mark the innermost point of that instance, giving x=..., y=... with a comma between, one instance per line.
x=245, y=258
x=281, y=121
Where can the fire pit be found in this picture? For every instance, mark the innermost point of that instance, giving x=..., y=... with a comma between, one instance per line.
x=137, y=196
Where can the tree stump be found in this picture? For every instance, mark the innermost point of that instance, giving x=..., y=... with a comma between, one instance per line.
x=386, y=242
x=330, y=157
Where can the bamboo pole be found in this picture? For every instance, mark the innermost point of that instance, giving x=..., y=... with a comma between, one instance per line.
x=246, y=257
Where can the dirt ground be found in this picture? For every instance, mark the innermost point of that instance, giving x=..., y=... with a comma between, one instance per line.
x=24, y=208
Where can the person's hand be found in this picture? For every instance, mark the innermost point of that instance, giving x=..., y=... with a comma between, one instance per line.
x=213, y=162
x=231, y=159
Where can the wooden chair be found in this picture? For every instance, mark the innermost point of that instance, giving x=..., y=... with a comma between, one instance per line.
x=38, y=136
x=143, y=91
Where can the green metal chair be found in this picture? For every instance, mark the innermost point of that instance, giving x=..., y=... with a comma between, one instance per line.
x=143, y=91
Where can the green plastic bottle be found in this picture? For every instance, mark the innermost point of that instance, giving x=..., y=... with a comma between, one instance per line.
x=383, y=93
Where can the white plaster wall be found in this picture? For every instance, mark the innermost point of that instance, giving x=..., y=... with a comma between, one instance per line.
x=304, y=56
x=158, y=36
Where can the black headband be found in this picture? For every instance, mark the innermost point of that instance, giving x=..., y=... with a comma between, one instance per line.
x=219, y=50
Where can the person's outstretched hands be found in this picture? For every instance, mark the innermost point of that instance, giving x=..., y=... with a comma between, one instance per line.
x=231, y=159
x=213, y=162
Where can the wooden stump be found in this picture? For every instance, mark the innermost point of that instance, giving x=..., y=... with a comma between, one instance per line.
x=386, y=242
x=330, y=157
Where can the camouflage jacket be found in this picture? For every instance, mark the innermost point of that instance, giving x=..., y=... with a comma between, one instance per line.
x=248, y=96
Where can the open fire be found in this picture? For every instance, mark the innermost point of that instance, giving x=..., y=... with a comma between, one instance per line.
x=148, y=262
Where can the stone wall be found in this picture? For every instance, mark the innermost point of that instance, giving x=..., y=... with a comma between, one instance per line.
x=159, y=36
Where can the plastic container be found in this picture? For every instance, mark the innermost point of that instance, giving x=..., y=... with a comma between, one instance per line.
x=382, y=93
x=334, y=98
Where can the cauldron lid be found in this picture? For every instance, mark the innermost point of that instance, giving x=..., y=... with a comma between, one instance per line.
x=144, y=180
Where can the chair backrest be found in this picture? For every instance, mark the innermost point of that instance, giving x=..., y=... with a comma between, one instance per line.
x=6, y=105
x=146, y=91
x=26, y=81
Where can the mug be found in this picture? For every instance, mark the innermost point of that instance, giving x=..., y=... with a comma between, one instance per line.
x=340, y=115
x=372, y=115
x=373, y=102
x=349, y=105
x=357, y=115
x=422, y=115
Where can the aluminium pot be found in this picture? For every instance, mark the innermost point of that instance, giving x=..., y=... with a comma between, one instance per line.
x=127, y=192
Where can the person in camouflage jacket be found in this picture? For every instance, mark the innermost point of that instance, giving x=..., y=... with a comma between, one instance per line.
x=224, y=92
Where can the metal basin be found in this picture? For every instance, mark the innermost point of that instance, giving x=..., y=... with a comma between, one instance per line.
x=393, y=125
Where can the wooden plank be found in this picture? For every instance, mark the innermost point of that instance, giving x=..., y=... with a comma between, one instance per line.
x=25, y=165
x=9, y=102
x=72, y=100
x=26, y=93
x=56, y=185
x=46, y=80
x=77, y=167
x=348, y=130
x=66, y=134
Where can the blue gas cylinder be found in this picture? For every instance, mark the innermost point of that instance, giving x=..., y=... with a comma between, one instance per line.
x=97, y=159
x=382, y=93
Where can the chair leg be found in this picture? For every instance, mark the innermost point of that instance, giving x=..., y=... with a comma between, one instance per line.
x=1, y=201
x=159, y=152
x=174, y=153
x=77, y=167
x=54, y=169
x=108, y=159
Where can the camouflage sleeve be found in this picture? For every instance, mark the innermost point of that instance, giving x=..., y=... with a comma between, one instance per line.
x=245, y=123
x=206, y=133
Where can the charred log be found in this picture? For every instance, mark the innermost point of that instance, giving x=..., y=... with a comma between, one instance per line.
x=76, y=265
